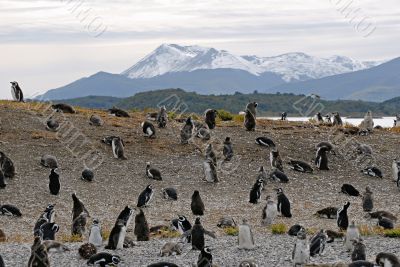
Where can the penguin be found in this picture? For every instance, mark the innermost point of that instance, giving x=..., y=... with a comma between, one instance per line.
x=329, y=213
x=276, y=160
x=364, y=149
x=117, y=236
x=171, y=248
x=184, y=226
x=48, y=231
x=350, y=190
x=39, y=256
x=197, y=235
x=359, y=251
x=319, y=118
x=2, y=264
x=337, y=120
x=278, y=175
x=283, y=116
x=205, y=258
x=65, y=108
x=265, y=141
x=283, y=205
x=49, y=161
x=381, y=213
x=118, y=112
x=386, y=223
x=54, y=246
x=3, y=182
x=78, y=207
x=203, y=133
x=295, y=229
x=249, y=121
x=108, y=140
x=148, y=129
x=252, y=107
x=162, y=117
x=210, y=171
x=210, y=154
x=368, y=200
x=145, y=197
x=209, y=117
x=197, y=205
x=317, y=243
x=387, y=260
x=372, y=171
x=79, y=225
x=187, y=131
x=126, y=215
x=255, y=192
x=47, y=216
x=329, y=146
x=328, y=118
x=153, y=173
x=332, y=235
x=16, y=92
x=226, y=222
x=352, y=234
x=10, y=210
x=87, y=175
x=118, y=148
x=170, y=193
x=52, y=125
x=396, y=170
x=95, y=236
x=301, y=250
x=248, y=263
x=95, y=120
x=228, y=149
x=104, y=259
x=142, y=231
x=7, y=166
x=263, y=175
x=368, y=122
x=246, y=240
x=300, y=166
x=54, y=182
x=321, y=159
x=342, y=218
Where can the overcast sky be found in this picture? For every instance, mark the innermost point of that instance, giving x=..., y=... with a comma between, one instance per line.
x=45, y=44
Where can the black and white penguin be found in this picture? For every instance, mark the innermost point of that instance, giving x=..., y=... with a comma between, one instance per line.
x=210, y=171
x=198, y=232
x=162, y=117
x=301, y=250
x=48, y=231
x=197, y=205
x=352, y=233
x=16, y=92
x=283, y=116
x=126, y=215
x=372, y=171
x=319, y=117
x=108, y=140
x=170, y=193
x=118, y=148
x=252, y=107
x=148, y=129
x=205, y=258
x=10, y=210
x=342, y=217
x=255, y=192
x=321, y=159
x=396, y=170
x=153, y=173
x=54, y=246
x=329, y=213
x=145, y=197
x=49, y=213
x=210, y=154
x=54, y=182
x=295, y=229
x=337, y=120
x=386, y=223
x=52, y=125
x=78, y=207
x=276, y=160
x=39, y=256
x=265, y=141
x=203, y=133
x=300, y=166
x=7, y=166
x=142, y=231
x=350, y=190
x=368, y=200
x=104, y=259
x=65, y=108
x=317, y=243
x=249, y=121
x=117, y=236
x=283, y=205
x=187, y=131
x=359, y=251
x=278, y=175
x=246, y=239
x=381, y=213
x=328, y=118
x=96, y=120
x=387, y=260
x=3, y=182
x=87, y=175
x=209, y=117
x=118, y=112
x=79, y=225
x=49, y=161
x=228, y=149
x=183, y=226
x=329, y=146
x=269, y=212
x=226, y=222
x=263, y=175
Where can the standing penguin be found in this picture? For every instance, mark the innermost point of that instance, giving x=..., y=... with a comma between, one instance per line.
x=317, y=243
x=118, y=148
x=352, y=234
x=211, y=154
x=359, y=251
x=184, y=226
x=197, y=233
x=319, y=118
x=368, y=122
x=255, y=192
x=368, y=200
x=54, y=182
x=187, y=131
x=142, y=230
x=145, y=197
x=7, y=166
x=162, y=117
x=283, y=203
x=228, y=149
x=269, y=212
x=210, y=171
x=77, y=207
x=153, y=173
x=48, y=231
x=16, y=92
x=197, y=205
x=79, y=225
x=3, y=182
x=246, y=240
x=95, y=236
x=301, y=250
x=205, y=258
x=276, y=160
x=126, y=215
x=249, y=121
x=321, y=159
x=148, y=129
x=39, y=256
x=342, y=217
x=396, y=170
x=117, y=236
x=337, y=120
x=252, y=107
x=210, y=116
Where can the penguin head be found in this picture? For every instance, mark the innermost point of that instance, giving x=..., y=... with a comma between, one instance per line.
x=115, y=259
x=150, y=187
x=196, y=193
x=147, y=164
x=368, y=189
x=95, y=222
x=14, y=83
x=55, y=228
x=50, y=207
x=181, y=218
x=227, y=139
x=189, y=121
x=261, y=169
x=279, y=191
x=197, y=221
x=207, y=250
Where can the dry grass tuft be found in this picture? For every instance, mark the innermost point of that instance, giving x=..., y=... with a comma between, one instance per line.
x=231, y=231
x=71, y=238
x=165, y=232
x=279, y=229
x=393, y=233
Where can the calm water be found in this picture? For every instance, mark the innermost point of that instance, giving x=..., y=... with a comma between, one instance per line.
x=384, y=121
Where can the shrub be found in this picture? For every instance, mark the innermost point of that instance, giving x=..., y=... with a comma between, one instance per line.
x=71, y=238
x=279, y=229
x=393, y=233
x=238, y=118
x=232, y=231
x=225, y=115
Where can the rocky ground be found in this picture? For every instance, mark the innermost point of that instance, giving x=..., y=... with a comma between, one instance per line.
x=24, y=139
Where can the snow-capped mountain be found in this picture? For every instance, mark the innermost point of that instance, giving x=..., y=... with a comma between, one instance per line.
x=172, y=58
